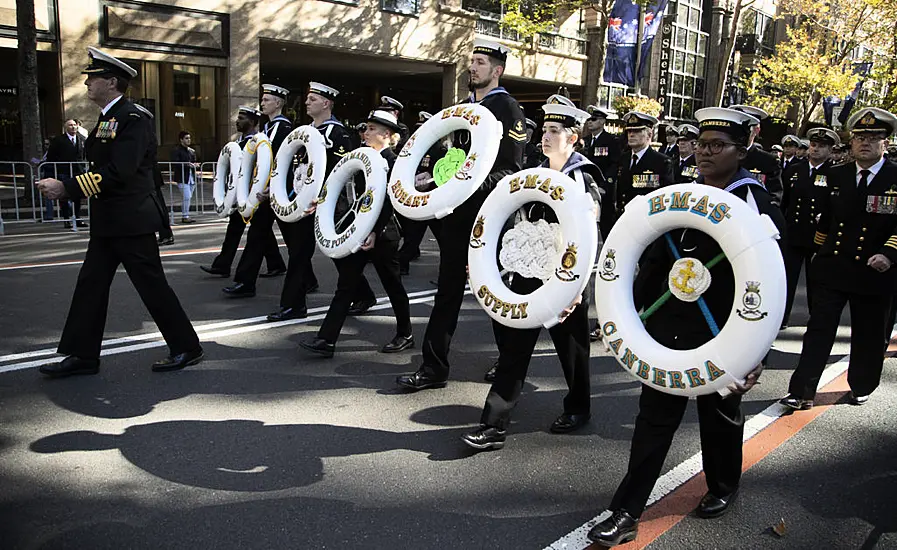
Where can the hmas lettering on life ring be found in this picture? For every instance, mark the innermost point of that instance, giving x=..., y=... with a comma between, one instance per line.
x=565, y=263
x=461, y=177
x=224, y=191
x=748, y=241
x=339, y=238
x=308, y=176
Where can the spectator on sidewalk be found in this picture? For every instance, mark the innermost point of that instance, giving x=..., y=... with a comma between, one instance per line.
x=67, y=147
x=184, y=174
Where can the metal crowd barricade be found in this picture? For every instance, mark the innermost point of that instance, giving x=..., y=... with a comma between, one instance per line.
x=17, y=193
x=173, y=175
x=51, y=211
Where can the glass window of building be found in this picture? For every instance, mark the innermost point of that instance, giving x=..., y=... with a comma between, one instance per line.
x=686, y=91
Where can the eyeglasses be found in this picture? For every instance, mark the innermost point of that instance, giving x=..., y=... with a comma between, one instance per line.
x=716, y=146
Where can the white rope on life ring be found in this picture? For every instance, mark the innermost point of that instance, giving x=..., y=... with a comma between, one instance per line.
x=307, y=178
x=570, y=266
x=485, y=132
x=224, y=191
x=255, y=173
x=365, y=208
x=748, y=241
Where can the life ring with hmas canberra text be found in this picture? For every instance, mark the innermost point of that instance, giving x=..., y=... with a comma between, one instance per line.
x=358, y=222
x=562, y=255
x=748, y=241
x=224, y=192
x=255, y=173
x=307, y=178
x=457, y=179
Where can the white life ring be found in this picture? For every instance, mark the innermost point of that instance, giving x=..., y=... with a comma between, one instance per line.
x=570, y=267
x=365, y=209
x=485, y=137
x=255, y=173
x=748, y=240
x=224, y=191
x=308, y=177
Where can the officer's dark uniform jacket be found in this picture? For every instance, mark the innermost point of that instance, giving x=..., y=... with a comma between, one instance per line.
x=765, y=169
x=277, y=129
x=678, y=324
x=428, y=163
x=653, y=171
x=120, y=182
x=804, y=200
x=855, y=227
x=671, y=151
x=604, y=151
x=686, y=169
x=337, y=140
x=532, y=157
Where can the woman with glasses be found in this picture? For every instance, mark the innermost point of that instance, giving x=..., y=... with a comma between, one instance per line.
x=719, y=150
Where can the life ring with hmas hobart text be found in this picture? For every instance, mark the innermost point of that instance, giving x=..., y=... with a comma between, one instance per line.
x=561, y=255
x=339, y=238
x=457, y=179
x=307, y=177
x=255, y=173
x=224, y=191
x=748, y=241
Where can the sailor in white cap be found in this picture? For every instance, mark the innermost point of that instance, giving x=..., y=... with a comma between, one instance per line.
x=857, y=238
x=806, y=196
x=790, y=143
x=561, y=127
x=763, y=165
x=642, y=169
x=721, y=146
x=124, y=218
x=686, y=168
x=603, y=149
x=380, y=248
x=487, y=65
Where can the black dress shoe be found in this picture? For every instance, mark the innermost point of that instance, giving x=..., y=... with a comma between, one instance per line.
x=216, y=271
x=485, y=437
x=273, y=273
x=319, y=346
x=857, y=400
x=421, y=380
x=620, y=527
x=287, y=313
x=712, y=506
x=397, y=344
x=239, y=290
x=69, y=366
x=793, y=402
x=490, y=374
x=179, y=361
x=361, y=306
x=165, y=241
x=594, y=335
x=82, y=224
x=67, y=225
x=567, y=423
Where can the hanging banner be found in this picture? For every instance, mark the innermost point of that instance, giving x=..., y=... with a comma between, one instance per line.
x=622, y=33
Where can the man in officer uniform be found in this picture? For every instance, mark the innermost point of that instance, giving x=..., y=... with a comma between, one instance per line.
x=124, y=217
x=803, y=149
x=487, y=65
x=790, y=144
x=686, y=168
x=603, y=149
x=642, y=169
x=247, y=124
x=806, y=195
x=671, y=149
x=857, y=236
x=764, y=166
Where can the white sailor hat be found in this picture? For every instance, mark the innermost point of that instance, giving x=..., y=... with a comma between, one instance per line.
x=103, y=64
x=530, y=123
x=391, y=103
x=872, y=119
x=671, y=128
x=323, y=90
x=423, y=116
x=824, y=135
x=384, y=118
x=635, y=120
x=792, y=139
x=558, y=99
x=596, y=112
x=492, y=49
x=756, y=112
x=566, y=115
x=250, y=111
x=687, y=131
x=777, y=147
x=731, y=121
x=275, y=90
x=804, y=144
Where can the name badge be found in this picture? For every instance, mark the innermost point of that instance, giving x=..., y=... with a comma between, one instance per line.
x=820, y=181
x=646, y=181
x=600, y=152
x=107, y=129
x=877, y=204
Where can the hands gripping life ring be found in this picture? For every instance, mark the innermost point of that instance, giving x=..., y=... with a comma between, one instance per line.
x=358, y=222
x=748, y=241
x=307, y=178
x=463, y=177
x=224, y=192
x=255, y=173
x=565, y=268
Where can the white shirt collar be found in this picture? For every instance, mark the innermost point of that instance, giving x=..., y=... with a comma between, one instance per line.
x=873, y=169
x=110, y=104
x=683, y=159
x=640, y=154
x=814, y=168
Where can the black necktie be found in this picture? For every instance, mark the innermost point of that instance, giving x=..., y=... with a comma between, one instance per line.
x=812, y=173
x=864, y=180
x=634, y=160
